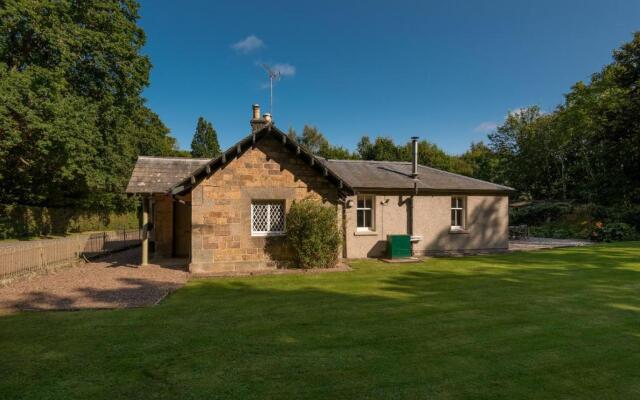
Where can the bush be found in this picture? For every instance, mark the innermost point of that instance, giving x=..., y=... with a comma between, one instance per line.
x=313, y=234
x=613, y=232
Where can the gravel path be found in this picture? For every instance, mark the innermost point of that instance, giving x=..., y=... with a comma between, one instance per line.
x=535, y=243
x=111, y=282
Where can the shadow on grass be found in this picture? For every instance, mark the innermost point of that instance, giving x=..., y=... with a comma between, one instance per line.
x=552, y=324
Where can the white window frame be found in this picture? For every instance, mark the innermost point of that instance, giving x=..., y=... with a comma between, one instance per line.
x=270, y=203
x=371, y=209
x=461, y=206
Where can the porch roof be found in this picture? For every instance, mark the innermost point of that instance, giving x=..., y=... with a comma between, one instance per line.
x=159, y=174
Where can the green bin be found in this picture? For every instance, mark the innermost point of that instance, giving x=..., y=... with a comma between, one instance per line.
x=399, y=246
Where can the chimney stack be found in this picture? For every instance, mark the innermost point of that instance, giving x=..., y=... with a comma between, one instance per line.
x=258, y=122
x=414, y=159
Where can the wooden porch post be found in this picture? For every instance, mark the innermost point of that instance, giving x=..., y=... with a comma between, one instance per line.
x=145, y=230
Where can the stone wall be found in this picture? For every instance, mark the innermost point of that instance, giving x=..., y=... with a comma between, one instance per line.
x=221, y=238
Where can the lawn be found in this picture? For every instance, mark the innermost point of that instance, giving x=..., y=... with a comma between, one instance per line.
x=552, y=324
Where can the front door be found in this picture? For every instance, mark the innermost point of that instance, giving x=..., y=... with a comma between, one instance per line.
x=181, y=229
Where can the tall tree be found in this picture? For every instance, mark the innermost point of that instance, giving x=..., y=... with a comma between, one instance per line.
x=205, y=140
x=71, y=110
x=588, y=148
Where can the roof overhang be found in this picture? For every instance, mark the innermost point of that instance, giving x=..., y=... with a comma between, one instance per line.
x=427, y=191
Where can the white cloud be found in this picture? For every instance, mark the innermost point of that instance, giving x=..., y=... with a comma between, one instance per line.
x=285, y=69
x=248, y=44
x=485, y=127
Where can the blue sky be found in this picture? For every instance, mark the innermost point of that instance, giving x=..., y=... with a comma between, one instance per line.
x=447, y=71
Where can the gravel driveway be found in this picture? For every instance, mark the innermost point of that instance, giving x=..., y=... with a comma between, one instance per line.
x=111, y=282
x=536, y=243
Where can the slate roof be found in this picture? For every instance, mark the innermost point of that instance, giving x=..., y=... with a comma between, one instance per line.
x=179, y=175
x=159, y=174
x=396, y=175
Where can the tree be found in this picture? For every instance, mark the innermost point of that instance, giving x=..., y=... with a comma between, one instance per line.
x=531, y=153
x=312, y=139
x=72, y=118
x=292, y=134
x=315, y=142
x=482, y=161
x=205, y=140
x=588, y=148
x=429, y=154
x=365, y=149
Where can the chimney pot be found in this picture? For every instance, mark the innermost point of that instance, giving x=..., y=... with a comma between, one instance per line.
x=258, y=122
x=414, y=158
x=256, y=111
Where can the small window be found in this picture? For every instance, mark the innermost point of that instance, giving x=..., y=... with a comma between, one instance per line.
x=267, y=218
x=457, y=213
x=365, y=213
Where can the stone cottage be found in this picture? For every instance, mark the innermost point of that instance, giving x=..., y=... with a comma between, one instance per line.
x=228, y=214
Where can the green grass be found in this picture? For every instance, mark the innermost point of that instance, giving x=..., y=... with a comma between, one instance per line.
x=544, y=325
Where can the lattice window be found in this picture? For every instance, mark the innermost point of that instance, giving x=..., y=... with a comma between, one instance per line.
x=267, y=217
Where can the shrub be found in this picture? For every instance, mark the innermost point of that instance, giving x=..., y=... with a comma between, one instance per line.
x=313, y=234
x=613, y=231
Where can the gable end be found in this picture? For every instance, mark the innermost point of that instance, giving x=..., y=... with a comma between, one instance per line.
x=236, y=151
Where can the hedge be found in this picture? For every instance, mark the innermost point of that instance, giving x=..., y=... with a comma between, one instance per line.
x=20, y=221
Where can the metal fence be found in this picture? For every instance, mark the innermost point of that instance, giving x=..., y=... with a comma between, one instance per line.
x=22, y=258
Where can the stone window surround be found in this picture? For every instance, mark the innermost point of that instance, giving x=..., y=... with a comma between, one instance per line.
x=269, y=231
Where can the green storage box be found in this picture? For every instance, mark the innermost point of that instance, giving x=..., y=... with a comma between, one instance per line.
x=399, y=246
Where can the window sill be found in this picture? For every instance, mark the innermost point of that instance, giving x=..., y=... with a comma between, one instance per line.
x=268, y=234
x=365, y=233
x=458, y=231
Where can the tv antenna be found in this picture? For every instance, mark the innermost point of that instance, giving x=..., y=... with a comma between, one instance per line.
x=274, y=75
